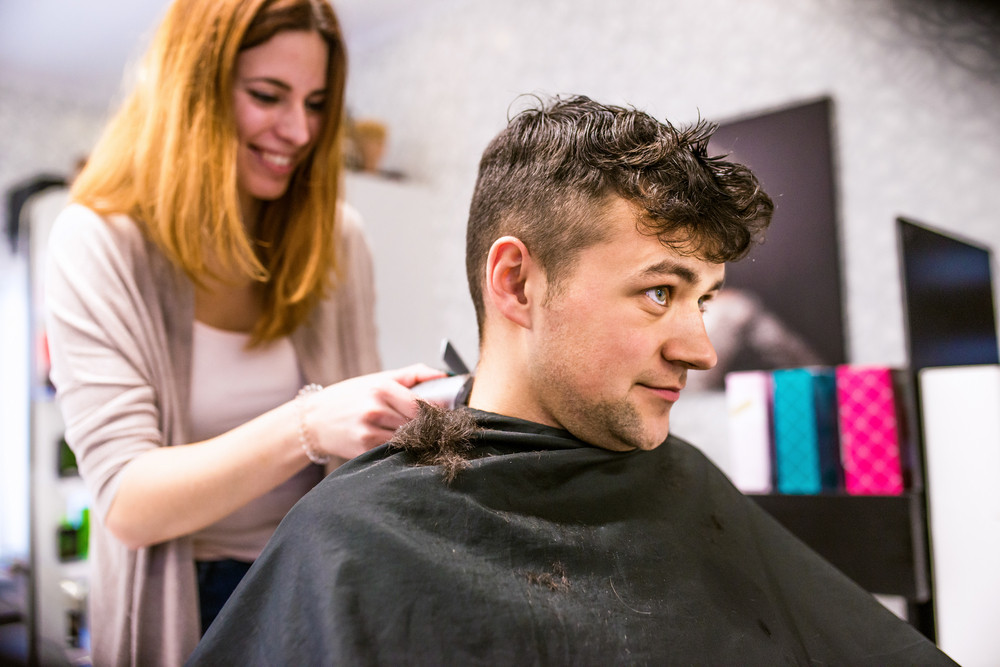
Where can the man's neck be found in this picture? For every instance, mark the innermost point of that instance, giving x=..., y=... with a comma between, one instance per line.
x=501, y=387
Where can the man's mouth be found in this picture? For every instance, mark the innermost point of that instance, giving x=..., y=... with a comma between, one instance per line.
x=670, y=393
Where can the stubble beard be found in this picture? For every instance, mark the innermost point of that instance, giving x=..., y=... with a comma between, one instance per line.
x=616, y=425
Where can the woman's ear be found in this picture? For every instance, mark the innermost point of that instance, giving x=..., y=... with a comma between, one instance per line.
x=509, y=269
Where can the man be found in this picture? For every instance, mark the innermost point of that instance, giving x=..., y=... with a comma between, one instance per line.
x=553, y=521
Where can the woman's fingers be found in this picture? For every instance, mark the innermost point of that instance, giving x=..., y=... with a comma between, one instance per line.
x=398, y=396
x=414, y=374
x=364, y=412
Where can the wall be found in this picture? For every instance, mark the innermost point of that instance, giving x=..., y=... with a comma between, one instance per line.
x=916, y=107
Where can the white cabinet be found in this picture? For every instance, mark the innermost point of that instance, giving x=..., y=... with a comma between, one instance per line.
x=961, y=414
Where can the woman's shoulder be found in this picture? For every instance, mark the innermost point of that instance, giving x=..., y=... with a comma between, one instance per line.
x=86, y=245
x=81, y=227
x=351, y=224
x=353, y=246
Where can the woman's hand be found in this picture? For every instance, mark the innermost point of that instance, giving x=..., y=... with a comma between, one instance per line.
x=171, y=491
x=350, y=417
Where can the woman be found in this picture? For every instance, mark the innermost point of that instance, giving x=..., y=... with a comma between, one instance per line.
x=201, y=289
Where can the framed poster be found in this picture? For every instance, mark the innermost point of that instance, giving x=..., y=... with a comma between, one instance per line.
x=782, y=305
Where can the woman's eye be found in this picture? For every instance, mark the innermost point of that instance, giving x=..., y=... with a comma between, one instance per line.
x=316, y=106
x=659, y=295
x=264, y=98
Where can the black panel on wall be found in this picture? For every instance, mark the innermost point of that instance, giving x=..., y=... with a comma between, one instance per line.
x=796, y=272
x=948, y=298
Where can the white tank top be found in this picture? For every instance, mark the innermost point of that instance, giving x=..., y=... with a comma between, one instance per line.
x=231, y=385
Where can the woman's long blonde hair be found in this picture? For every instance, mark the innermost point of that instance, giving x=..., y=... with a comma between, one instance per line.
x=168, y=158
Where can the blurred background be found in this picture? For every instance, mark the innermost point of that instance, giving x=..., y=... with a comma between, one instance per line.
x=912, y=89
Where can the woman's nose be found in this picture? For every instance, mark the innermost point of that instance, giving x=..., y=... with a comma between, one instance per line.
x=294, y=126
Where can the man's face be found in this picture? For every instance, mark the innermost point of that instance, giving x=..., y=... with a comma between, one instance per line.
x=612, y=344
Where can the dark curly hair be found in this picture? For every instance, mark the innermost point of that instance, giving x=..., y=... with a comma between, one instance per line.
x=549, y=176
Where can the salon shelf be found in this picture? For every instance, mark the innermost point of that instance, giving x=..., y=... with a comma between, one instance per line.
x=878, y=541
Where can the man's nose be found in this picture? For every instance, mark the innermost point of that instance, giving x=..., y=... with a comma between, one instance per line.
x=687, y=344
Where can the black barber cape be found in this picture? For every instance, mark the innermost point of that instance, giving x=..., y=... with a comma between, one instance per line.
x=546, y=551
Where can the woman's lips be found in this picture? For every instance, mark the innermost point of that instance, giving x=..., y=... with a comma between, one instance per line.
x=280, y=163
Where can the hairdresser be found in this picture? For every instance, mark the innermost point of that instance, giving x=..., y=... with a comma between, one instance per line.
x=210, y=315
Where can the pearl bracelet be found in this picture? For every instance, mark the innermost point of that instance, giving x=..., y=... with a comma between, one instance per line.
x=306, y=436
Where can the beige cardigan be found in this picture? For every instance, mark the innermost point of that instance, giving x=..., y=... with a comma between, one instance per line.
x=119, y=322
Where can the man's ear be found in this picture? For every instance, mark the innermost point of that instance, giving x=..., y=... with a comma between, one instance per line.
x=509, y=269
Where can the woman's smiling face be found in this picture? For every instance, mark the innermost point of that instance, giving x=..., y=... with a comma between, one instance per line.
x=279, y=97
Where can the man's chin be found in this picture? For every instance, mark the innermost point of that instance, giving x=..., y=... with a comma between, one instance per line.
x=644, y=442
x=654, y=433
x=653, y=440
x=619, y=426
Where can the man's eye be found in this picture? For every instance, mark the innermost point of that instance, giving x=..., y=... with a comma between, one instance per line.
x=659, y=295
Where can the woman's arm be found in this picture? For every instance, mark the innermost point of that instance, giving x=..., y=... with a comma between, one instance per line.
x=168, y=492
